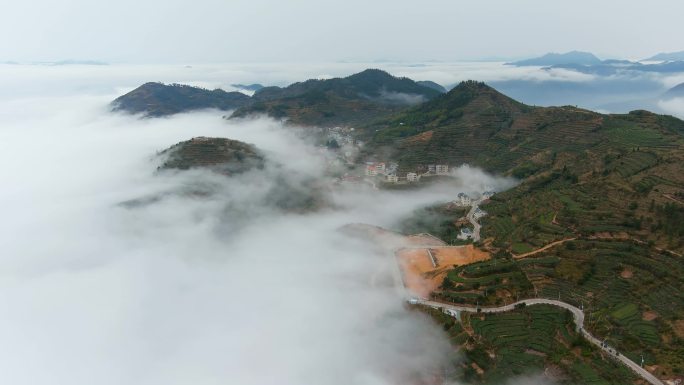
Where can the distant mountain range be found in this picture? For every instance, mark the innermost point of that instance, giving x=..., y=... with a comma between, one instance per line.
x=551, y=59
x=61, y=62
x=587, y=63
x=611, y=67
x=351, y=100
x=667, y=56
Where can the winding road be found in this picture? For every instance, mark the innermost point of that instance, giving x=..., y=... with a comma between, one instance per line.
x=471, y=219
x=578, y=316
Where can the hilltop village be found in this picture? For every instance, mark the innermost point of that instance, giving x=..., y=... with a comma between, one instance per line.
x=342, y=151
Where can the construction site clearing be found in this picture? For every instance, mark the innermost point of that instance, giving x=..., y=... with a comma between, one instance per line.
x=423, y=269
x=423, y=259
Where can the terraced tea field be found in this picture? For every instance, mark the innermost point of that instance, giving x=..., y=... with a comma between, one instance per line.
x=528, y=341
x=633, y=295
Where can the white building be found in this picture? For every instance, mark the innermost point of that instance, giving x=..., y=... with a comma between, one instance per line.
x=412, y=177
x=432, y=168
x=463, y=200
x=392, y=178
x=373, y=169
x=466, y=233
x=479, y=213
x=442, y=169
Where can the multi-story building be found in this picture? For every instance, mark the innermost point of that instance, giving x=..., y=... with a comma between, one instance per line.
x=442, y=169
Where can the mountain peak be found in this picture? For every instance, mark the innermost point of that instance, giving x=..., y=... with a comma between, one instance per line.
x=552, y=58
x=472, y=85
x=371, y=73
x=469, y=90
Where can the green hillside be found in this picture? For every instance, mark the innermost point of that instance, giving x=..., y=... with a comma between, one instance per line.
x=352, y=100
x=582, y=172
x=223, y=155
x=497, y=348
x=158, y=99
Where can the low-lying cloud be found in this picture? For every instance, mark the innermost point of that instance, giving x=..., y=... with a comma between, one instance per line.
x=673, y=106
x=402, y=98
x=184, y=287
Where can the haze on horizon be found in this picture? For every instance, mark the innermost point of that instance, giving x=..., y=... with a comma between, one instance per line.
x=177, y=31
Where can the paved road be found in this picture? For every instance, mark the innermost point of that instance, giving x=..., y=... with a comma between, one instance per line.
x=471, y=218
x=577, y=314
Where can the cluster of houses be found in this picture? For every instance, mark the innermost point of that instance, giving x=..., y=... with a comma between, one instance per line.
x=341, y=135
x=381, y=169
x=463, y=200
x=389, y=171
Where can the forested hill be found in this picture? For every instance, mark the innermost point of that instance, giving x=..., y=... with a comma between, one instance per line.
x=613, y=169
x=158, y=99
x=352, y=100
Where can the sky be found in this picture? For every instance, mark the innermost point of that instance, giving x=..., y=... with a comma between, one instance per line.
x=203, y=31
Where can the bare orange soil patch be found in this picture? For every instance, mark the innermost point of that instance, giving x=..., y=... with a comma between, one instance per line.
x=423, y=270
x=424, y=240
x=450, y=256
x=649, y=315
x=422, y=137
x=678, y=327
x=626, y=273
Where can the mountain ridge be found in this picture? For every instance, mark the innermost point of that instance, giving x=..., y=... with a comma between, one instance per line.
x=550, y=59
x=347, y=100
x=667, y=56
x=155, y=99
x=351, y=100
